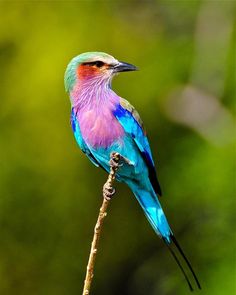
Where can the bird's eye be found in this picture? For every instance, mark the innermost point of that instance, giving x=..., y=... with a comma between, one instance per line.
x=99, y=63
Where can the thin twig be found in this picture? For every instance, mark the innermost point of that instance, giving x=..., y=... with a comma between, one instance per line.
x=108, y=192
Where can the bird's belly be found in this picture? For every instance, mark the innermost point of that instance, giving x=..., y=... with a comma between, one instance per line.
x=126, y=147
x=100, y=130
x=104, y=135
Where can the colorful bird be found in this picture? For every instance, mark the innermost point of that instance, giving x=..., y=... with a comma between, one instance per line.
x=103, y=123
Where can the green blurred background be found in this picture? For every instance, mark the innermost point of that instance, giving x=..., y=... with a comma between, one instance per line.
x=49, y=191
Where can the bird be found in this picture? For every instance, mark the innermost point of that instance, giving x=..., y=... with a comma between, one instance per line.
x=103, y=123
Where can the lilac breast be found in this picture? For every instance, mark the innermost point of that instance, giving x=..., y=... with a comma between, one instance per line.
x=98, y=125
x=94, y=103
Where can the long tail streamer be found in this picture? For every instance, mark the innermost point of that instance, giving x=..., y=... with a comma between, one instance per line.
x=173, y=239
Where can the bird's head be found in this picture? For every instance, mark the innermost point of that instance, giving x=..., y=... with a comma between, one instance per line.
x=93, y=65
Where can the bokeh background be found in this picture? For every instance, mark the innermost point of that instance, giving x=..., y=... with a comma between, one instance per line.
x=50, y=193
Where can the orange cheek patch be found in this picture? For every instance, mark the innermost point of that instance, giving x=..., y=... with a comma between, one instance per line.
x=87, y=71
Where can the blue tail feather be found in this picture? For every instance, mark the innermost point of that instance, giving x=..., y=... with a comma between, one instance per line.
x=155, y=215
x=153, y=211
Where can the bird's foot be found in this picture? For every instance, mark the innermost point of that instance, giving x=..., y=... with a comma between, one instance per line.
x=118, y=160
x=108, y=191
x=115, y=160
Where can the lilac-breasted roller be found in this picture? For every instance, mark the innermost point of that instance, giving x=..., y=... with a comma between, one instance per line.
x=103, y=122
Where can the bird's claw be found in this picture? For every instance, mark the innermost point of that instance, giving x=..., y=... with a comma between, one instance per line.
x=117, y=160
x=114, y=164
x=108, y=191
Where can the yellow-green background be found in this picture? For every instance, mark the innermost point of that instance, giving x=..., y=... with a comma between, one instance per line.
x=50, y=192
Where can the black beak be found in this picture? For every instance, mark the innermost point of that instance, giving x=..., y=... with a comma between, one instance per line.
x=124, y=67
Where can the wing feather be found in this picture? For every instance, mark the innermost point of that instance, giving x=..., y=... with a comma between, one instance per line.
x=132, y=124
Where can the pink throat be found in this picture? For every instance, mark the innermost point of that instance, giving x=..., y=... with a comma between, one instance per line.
x=94, y=102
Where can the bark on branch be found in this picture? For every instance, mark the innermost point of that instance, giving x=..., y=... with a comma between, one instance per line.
x=108, y=192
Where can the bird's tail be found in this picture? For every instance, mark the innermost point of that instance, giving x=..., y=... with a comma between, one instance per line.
x=155, y=215
x=181, y=252
x=153, y=211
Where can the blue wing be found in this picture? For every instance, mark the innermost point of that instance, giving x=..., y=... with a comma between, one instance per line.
x=132, y=124
x=79, y=138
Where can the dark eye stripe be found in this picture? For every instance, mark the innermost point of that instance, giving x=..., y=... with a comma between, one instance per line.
x=97, y=63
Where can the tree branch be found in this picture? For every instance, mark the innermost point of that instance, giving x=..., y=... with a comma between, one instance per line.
x=108, y=192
